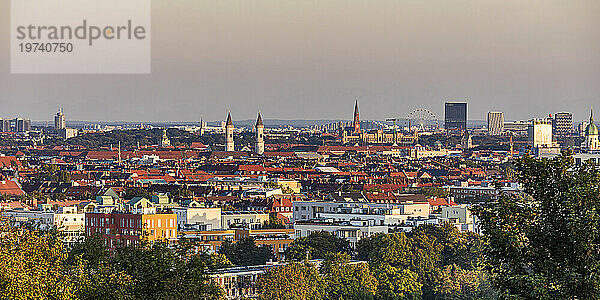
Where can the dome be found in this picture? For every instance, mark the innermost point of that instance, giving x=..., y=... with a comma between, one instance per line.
x=591, y=129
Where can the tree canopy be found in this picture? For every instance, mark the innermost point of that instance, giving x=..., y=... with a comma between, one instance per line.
x=317, y=245
x=545, y=244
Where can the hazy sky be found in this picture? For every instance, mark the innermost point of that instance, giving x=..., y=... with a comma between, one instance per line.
x=304, y=59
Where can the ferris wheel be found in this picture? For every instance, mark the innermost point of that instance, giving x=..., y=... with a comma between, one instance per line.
x=423, y=119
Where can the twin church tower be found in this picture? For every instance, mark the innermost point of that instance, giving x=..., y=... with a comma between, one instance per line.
x=259, y=145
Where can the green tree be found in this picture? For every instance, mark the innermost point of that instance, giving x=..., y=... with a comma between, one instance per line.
x=137, y=192
x=159, y=272
x=31, y=265
x=273, y=222
x=344, y=280
x=316, y=245
x=435, y=192
x=545, y=244
x=397, y=283
x=293, y=280
x=245, y=252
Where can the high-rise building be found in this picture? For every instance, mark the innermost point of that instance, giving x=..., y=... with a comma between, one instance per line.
x=22, y=125
x=455, y=116
x=4, y=125
x=562, y=124
x=260, y=139
x=356, y=121
x=495, y=123
x=229, y=145
x=59, y=120
x=540, y=133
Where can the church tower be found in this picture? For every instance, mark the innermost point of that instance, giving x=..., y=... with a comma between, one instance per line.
x=356, y=122
x=229, y=146
x=260, y=138
x=164, y=141
x=591, y=135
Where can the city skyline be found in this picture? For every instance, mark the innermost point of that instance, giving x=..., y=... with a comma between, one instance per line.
x=308, y=60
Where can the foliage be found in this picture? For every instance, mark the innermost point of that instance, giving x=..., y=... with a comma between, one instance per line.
x=435, y=192
x=31, y=265
x=336, y=279
x=273, y=222
x=345, y=280
x=316, y=245
x=133, y=192
x=421, y=258
x=291, y=281
x=34, y=265
x=546, y=244
x=245, y=252
x=52, y=173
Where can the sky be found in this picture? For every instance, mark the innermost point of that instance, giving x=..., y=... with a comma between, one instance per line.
x=309, y=59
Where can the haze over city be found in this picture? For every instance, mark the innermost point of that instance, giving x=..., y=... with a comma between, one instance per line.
x=310, y=60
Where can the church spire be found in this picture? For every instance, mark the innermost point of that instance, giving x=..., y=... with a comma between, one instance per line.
x=356, y=121
x=591, y=115
x=259, y=121
x=229, y=122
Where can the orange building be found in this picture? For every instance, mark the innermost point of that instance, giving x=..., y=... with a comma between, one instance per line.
x=125, y=228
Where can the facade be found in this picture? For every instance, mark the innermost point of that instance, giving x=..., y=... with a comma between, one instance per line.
x=22, y=125
x=260, y=136
x=69, y=222
x=517, y=127
x=211, y=240
x=539, y=134
x=463, y=192
x=562, y=124
x=59, y=120
x=130, y=228
x=67, y=133
x=198, y=218
x=460, y=216
x=495, y=121
x=243, y=219
x=352, y=231
x=455, y=116
x=229, y=144
x=4, y=125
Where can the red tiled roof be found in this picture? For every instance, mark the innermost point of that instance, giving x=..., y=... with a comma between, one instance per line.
x=10, y=188
x=6, y=161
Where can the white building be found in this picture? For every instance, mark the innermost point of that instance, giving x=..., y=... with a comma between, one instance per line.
x=461, y=217
x=198, y=218
x=352, y=231
x=243, y=219
x=68, y=221
x=309, y=210
x=540, y=133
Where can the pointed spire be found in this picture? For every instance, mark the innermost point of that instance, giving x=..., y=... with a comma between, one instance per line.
x=356, y=107
x=229, y=122
x=591, y=115
x=259, y=121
